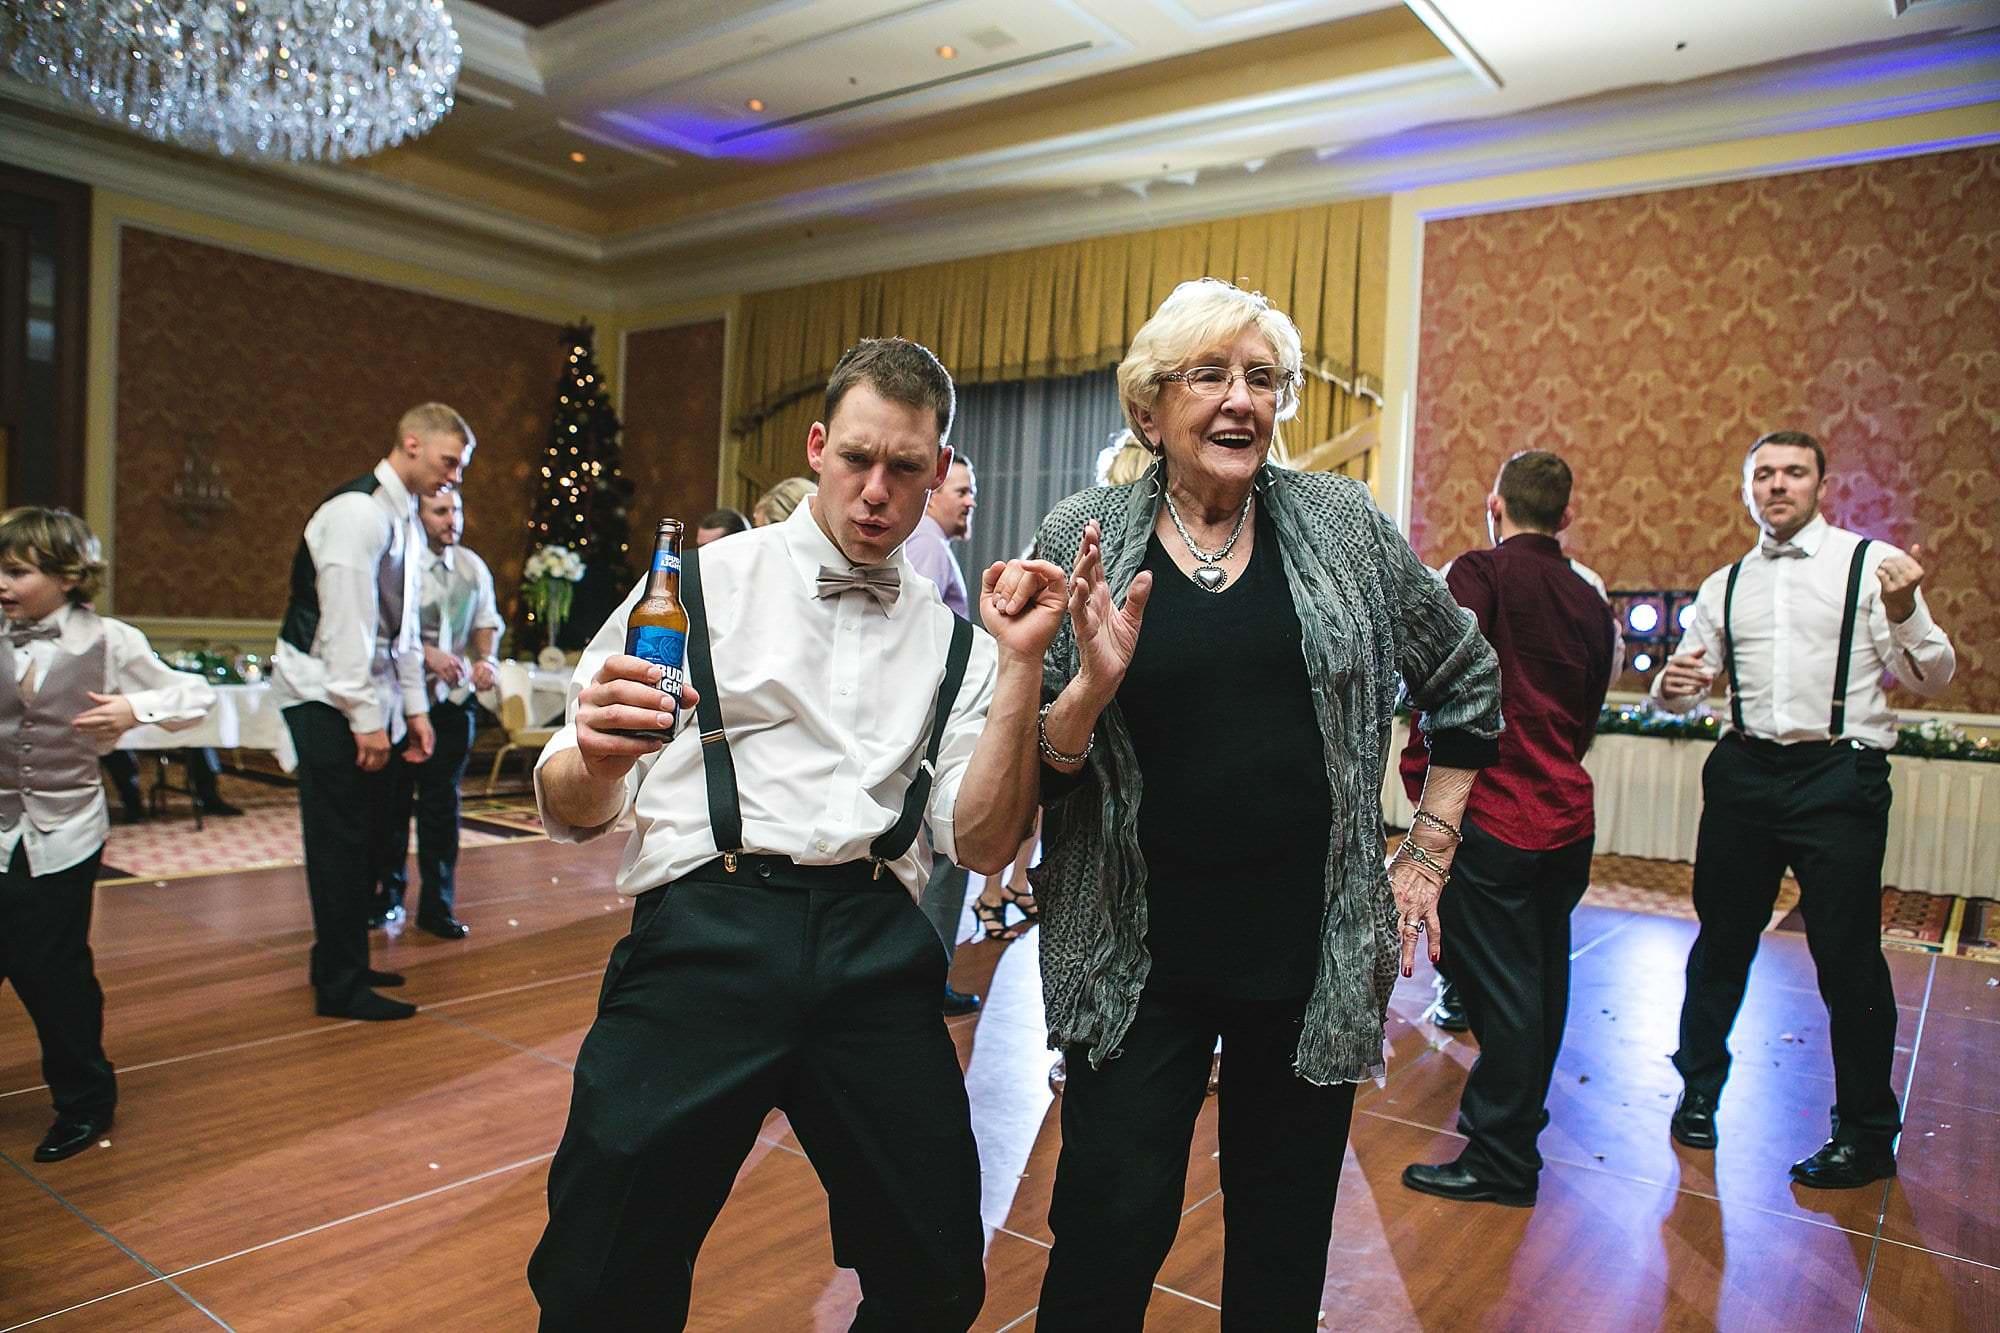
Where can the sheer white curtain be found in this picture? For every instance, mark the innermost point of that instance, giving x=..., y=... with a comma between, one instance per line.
x=1031, y=442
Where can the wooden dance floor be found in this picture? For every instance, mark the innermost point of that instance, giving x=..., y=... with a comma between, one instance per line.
x=273, y=1170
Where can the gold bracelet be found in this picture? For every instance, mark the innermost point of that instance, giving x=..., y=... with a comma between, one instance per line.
x=1429, y=820
x=1418, y=856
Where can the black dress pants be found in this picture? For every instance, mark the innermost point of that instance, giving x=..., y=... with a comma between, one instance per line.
x=1122, y=1175
x=735, y=994
x=340, y=813
x=1506, y=930
x=45, y=953
x=1822, y=810
x=432, y=787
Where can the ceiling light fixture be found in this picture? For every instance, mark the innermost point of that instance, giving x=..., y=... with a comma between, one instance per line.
x=948, y=52
x=325, y=79
x=755, y=104
x=578, y=158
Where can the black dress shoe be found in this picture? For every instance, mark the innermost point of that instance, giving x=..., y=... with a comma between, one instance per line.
x=1845, y=1166
x=220, y=808
x=366, y=1006
x=444, y=927
x=69, y=1136
x=958, y=1003
x=1693, y=1124
x=1454, y=1181
x=385, y=979
x=1447, y=1012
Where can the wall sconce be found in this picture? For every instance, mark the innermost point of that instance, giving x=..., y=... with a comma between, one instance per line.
x=199, y=493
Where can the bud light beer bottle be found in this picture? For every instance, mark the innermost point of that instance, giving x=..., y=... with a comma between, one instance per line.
x=657, y=629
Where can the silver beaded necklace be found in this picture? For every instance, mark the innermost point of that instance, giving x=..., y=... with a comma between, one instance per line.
x=1211, y=575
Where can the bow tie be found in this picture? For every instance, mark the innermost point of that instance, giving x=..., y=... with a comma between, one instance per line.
x=878, y=581
x=1782, y=550
x=20, y=634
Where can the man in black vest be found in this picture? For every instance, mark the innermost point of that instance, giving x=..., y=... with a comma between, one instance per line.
x=1804, y=628
x=777, y=956
x=348, y=673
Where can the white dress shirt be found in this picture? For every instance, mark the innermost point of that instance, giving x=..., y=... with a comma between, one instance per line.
x=158, y=694
x=457, y=600
x=358, y=663
x=1786, y=626
x=827, y=702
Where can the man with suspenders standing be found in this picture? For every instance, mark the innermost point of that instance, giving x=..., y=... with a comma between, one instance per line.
x=777, y=957
x=1804, y=628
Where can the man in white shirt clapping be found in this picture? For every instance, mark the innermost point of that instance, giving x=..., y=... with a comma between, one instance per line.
x=1804, y=628
x=777, y=956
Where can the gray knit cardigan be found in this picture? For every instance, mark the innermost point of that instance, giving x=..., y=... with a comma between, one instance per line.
x=1372, y=617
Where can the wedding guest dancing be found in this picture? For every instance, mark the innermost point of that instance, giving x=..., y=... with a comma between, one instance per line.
x=1804, y=628
x=1529, y=826
x=1219, y=704
x=777, y=956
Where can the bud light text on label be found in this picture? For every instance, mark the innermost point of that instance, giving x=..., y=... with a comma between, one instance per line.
x=666, y=562
x=664, y=648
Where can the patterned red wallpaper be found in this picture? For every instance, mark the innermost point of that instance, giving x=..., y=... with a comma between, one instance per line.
x=1649, y=338
x=673, y=422
x=290, y=380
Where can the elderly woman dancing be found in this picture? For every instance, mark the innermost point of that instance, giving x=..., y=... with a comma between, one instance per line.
x=1219, y=703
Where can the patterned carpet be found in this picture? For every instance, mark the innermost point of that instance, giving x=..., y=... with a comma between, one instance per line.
x=266, y=834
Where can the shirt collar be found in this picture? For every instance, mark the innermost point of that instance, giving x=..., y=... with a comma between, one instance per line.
x=1808, y=538
x=809, y=547
x=393, y=484
x=1539, y=542
x=446, y=558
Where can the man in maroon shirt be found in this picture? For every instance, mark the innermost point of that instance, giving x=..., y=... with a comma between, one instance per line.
x=1529, y=827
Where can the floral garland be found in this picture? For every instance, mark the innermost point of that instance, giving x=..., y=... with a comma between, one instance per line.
x=1930, y=739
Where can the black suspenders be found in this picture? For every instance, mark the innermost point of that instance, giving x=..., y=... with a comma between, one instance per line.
x=725, y=816
x=1837, y=725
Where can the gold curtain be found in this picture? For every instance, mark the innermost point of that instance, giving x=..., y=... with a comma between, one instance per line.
x=1066, y=309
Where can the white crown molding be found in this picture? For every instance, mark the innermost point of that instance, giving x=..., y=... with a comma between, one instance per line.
x=1184, y=132
x=497, y=46
x=1556, y=137
x=385, y=231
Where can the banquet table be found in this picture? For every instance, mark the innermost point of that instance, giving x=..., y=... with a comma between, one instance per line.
x=246, y=717
x=1944, y=820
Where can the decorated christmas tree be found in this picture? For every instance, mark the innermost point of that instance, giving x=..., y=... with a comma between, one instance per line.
x=582, y=508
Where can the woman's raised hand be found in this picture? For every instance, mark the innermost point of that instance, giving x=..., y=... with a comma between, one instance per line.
x=1105, y=635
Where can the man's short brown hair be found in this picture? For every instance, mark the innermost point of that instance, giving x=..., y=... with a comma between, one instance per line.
x=56, y=542
x=901, y=371
x=433, y=419
x=1534, y=485
x=1797, y=439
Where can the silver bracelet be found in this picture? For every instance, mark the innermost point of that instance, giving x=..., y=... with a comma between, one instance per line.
x=1419, y=856
x=1050, y=752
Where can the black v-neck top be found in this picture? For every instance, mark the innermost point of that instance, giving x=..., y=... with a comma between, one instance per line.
x=1234, y=816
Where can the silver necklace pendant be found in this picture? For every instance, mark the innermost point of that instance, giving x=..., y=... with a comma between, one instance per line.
x=1211, y=577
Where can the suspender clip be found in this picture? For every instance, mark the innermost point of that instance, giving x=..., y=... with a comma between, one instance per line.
x=877, y=872
x=729, y=862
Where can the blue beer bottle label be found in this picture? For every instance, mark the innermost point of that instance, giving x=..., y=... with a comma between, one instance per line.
x=666, y=562
x=663, y=647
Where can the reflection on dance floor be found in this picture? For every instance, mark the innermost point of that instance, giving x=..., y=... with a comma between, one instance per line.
x=273, y=1170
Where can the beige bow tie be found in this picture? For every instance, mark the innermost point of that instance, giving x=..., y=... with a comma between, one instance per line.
x=878, y=581
x=19, y=633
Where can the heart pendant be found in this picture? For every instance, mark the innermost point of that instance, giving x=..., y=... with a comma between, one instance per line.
x=1211, y=577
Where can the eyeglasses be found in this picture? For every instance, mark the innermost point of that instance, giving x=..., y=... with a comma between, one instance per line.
x=1214, y=381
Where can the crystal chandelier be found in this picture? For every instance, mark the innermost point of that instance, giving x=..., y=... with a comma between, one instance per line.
x=325, y=79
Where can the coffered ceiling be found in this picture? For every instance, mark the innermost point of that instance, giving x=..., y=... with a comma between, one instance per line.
x=705, y=145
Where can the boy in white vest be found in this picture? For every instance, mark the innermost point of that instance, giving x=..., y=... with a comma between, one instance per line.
x=74, y=681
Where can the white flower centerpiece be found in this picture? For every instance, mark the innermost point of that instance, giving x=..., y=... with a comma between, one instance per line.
x=548, y=582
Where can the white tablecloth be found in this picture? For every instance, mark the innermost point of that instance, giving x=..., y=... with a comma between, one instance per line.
x=1944, y=823
x=246, y=718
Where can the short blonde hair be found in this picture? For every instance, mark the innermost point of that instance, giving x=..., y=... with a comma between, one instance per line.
x=433, y=419
x=1199, y=314
x=778, y=503
x=59, y=544
x=1123, y=460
